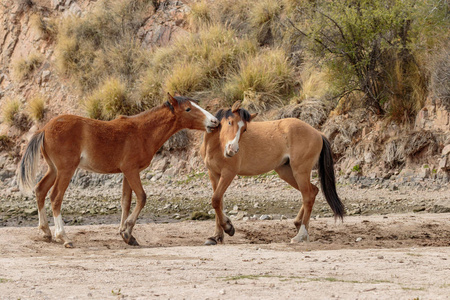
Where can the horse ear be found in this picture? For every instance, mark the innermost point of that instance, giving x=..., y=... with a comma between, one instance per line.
x=236, y=106
x=172, y=100
x=252, y=116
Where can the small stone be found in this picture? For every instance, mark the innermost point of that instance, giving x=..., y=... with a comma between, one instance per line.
x=380, y=257
x=222, y=292
x=265, y=217
x=358, y=239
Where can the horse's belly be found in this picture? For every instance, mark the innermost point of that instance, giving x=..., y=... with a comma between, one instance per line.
x=91, y=166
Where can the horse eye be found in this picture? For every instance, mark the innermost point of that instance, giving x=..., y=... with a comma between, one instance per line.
x=229, y=123
x=188, y=109
x=245, y=129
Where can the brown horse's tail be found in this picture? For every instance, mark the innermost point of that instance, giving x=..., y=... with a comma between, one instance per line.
x=29, y=164
x=328, y=181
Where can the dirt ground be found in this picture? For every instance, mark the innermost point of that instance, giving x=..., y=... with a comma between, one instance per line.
x=393, y=256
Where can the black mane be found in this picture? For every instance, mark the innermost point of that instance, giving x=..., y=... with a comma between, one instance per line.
x=226, y=113
x=180, y=100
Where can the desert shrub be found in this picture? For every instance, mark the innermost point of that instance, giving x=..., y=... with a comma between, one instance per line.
x=13, y=115
x=46, y=27
x=36, y=108
x=149, y=93
x=185, y=78
x=109, y=100
x=103, y=43
x=262, y=81
x=197, y=61
x=10, y=109
x=5, y=143
x=200, y=14
x=264, y=19
x=23, y=67
x=440, y=75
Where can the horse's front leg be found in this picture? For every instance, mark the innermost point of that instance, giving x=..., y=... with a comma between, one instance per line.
x=125, y=203
x=134, y=182
x=223, y=223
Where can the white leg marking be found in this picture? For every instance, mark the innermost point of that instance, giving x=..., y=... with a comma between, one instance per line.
x=59, y=226
x=302, y=235
x=43, y=222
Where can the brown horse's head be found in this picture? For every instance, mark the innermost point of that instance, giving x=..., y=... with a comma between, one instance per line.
x=190, y=115
x=233, y=123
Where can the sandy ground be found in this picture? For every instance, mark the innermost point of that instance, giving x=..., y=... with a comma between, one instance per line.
x=395, y=256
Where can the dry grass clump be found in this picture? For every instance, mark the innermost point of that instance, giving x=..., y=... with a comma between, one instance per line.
x=196, y=62
x=13, y=115
x=46, y=27
x=200, y=14
x=10, y=110
x=109, y=100
x=23, y=67
x=263, y=19
x=103, y=43
x=36, y=108
x=262, y=81
x=185, y=78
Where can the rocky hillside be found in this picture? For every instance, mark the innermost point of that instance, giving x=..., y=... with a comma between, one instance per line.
x=366, y=145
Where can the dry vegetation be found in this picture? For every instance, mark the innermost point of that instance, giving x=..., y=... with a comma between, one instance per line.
x=266, y=53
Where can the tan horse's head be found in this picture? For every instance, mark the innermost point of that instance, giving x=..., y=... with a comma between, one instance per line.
x=233, y=123
x=190, y=115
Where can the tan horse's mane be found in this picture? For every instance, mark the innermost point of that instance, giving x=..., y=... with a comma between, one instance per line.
x=226, y=113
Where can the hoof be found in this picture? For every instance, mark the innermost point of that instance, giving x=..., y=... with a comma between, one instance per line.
x=129, y=239
x=47, y=238
x=68, y=245
x=210, y=242
x=297, y=240
x=230, y=231
x=133, y=242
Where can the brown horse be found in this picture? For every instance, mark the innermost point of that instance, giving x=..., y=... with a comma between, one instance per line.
x=124, y=145
x=289, y=146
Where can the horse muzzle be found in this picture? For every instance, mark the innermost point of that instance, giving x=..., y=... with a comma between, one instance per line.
x=231, y=151
x=211, y=124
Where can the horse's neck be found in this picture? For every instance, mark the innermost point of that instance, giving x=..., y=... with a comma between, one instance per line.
x=158, y=125
x=211, y=141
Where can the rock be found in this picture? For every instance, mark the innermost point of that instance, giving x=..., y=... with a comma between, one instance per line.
x=171, y=172
x=358, y=239
x=31, y=211
x=424, y=172
x=446, y=150
x=441, y=206
x=240, y=215
x=265, y=217
x=45, y=75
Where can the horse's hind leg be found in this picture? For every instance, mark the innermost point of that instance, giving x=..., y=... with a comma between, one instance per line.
x=42, y=189
x=301, y=182
x=62, y=182
x=135, y=184
x=309, y=192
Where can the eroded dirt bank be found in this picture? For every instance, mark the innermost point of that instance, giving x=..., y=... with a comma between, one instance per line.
x=397, y=256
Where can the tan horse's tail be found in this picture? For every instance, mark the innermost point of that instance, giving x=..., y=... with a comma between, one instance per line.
x=328, y=180
x=29, y=164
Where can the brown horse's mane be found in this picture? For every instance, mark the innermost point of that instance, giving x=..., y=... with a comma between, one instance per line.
x=180, y=100
x=226, y=113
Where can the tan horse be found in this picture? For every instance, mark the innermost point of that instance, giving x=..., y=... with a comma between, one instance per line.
x=289, y=146
x=124, y=145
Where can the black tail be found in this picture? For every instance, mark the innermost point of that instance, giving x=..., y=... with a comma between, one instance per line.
x=328, y=181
